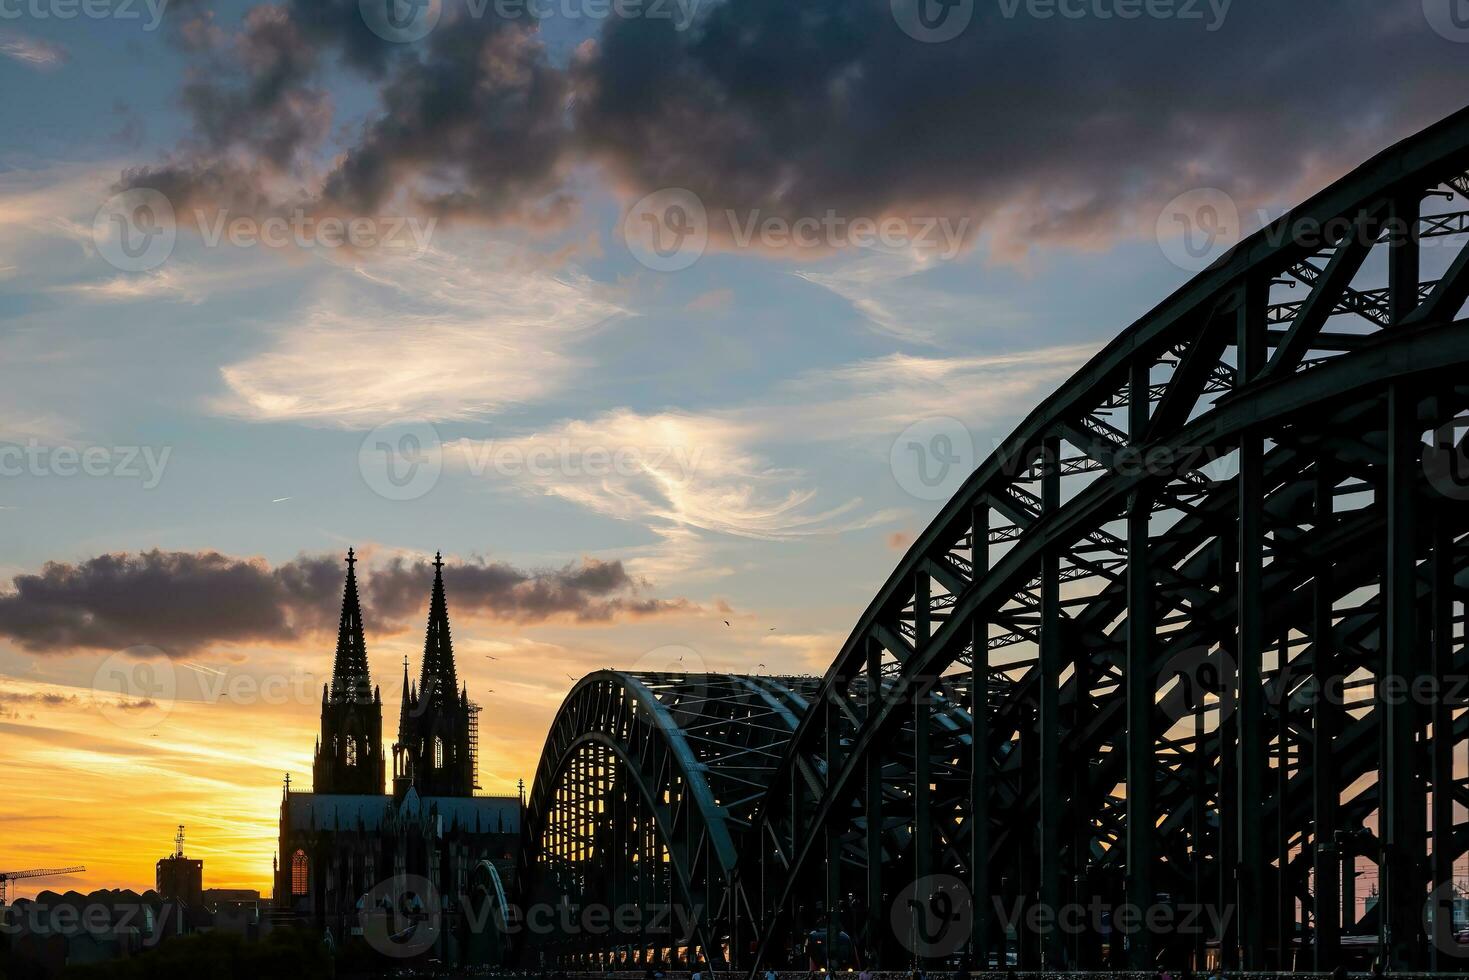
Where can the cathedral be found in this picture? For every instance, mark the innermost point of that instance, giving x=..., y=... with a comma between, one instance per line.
x=348, y=845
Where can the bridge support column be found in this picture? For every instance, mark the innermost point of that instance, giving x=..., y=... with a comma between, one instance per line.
x=1442, y=747
x=1403, y=819
x=1050, y=718
x=979, y=789
x=833, y=894
x=876, y=906
x=922, y=699
x=1249, y=645
x=1141, y=691
x=1325, y=799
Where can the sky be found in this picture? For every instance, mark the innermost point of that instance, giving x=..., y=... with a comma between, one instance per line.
x=669, y=323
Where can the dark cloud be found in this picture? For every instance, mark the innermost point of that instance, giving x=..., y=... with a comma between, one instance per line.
x=271, y=106
x=47, y=699
x=477, y=126
x=177, y=601
x=1051, y=129
x=339, y=25
x=586, y=591
x=181, y=602
x=1039, y=129
x=472, y=122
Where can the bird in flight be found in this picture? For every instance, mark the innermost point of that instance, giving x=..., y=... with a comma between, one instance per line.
x=726, y=622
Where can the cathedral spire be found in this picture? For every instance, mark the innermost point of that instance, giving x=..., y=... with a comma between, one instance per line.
x=405, y=710
x=350, y=681
x=437, y=681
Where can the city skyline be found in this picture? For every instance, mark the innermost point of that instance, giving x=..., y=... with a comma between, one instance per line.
x=627, y=461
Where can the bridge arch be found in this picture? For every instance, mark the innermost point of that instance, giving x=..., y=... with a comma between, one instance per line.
x=1144, y=657
x=646, y=784
x=1230, y=509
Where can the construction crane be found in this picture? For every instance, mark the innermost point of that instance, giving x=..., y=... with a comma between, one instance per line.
x=6, y=877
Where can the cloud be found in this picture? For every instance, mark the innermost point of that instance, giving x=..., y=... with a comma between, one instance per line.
x=273, y=109
x=690, y=477
x=183, y=602
x=1061, y=130
x=473, y=128
x=32, y=51
x=45, y=699
x=171, y=282
x=875, y=399
x=712, y=301
x=585, y=591
x=438, y=337
x=891, y=292
x=177, y=601
x=674, y=469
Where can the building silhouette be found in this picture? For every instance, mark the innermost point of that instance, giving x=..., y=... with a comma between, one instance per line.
x=436, y=743
x=180, y=879
x=349, y=753
x=349, y=850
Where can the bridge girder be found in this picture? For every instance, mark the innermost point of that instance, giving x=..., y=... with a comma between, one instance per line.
x=644, y=784
x=1235, y=486
x=1142, y=657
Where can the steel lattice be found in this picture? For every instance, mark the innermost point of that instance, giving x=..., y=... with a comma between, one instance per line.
x=1103, y=673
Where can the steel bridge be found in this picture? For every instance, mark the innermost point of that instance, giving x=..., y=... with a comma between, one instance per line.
x=1193, y=637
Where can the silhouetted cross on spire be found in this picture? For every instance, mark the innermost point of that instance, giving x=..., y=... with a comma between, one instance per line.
x=438, y=559
x=351, y=558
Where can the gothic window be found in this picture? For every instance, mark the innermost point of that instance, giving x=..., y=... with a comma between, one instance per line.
x=438, y=753
x=299, y=876
x=351, y=751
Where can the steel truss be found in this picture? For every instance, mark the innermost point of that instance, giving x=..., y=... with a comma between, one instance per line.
x=646, y=782
x=1153, y=590
x=1168, y=645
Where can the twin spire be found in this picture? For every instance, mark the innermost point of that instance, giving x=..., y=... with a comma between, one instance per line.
x=351, y=682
